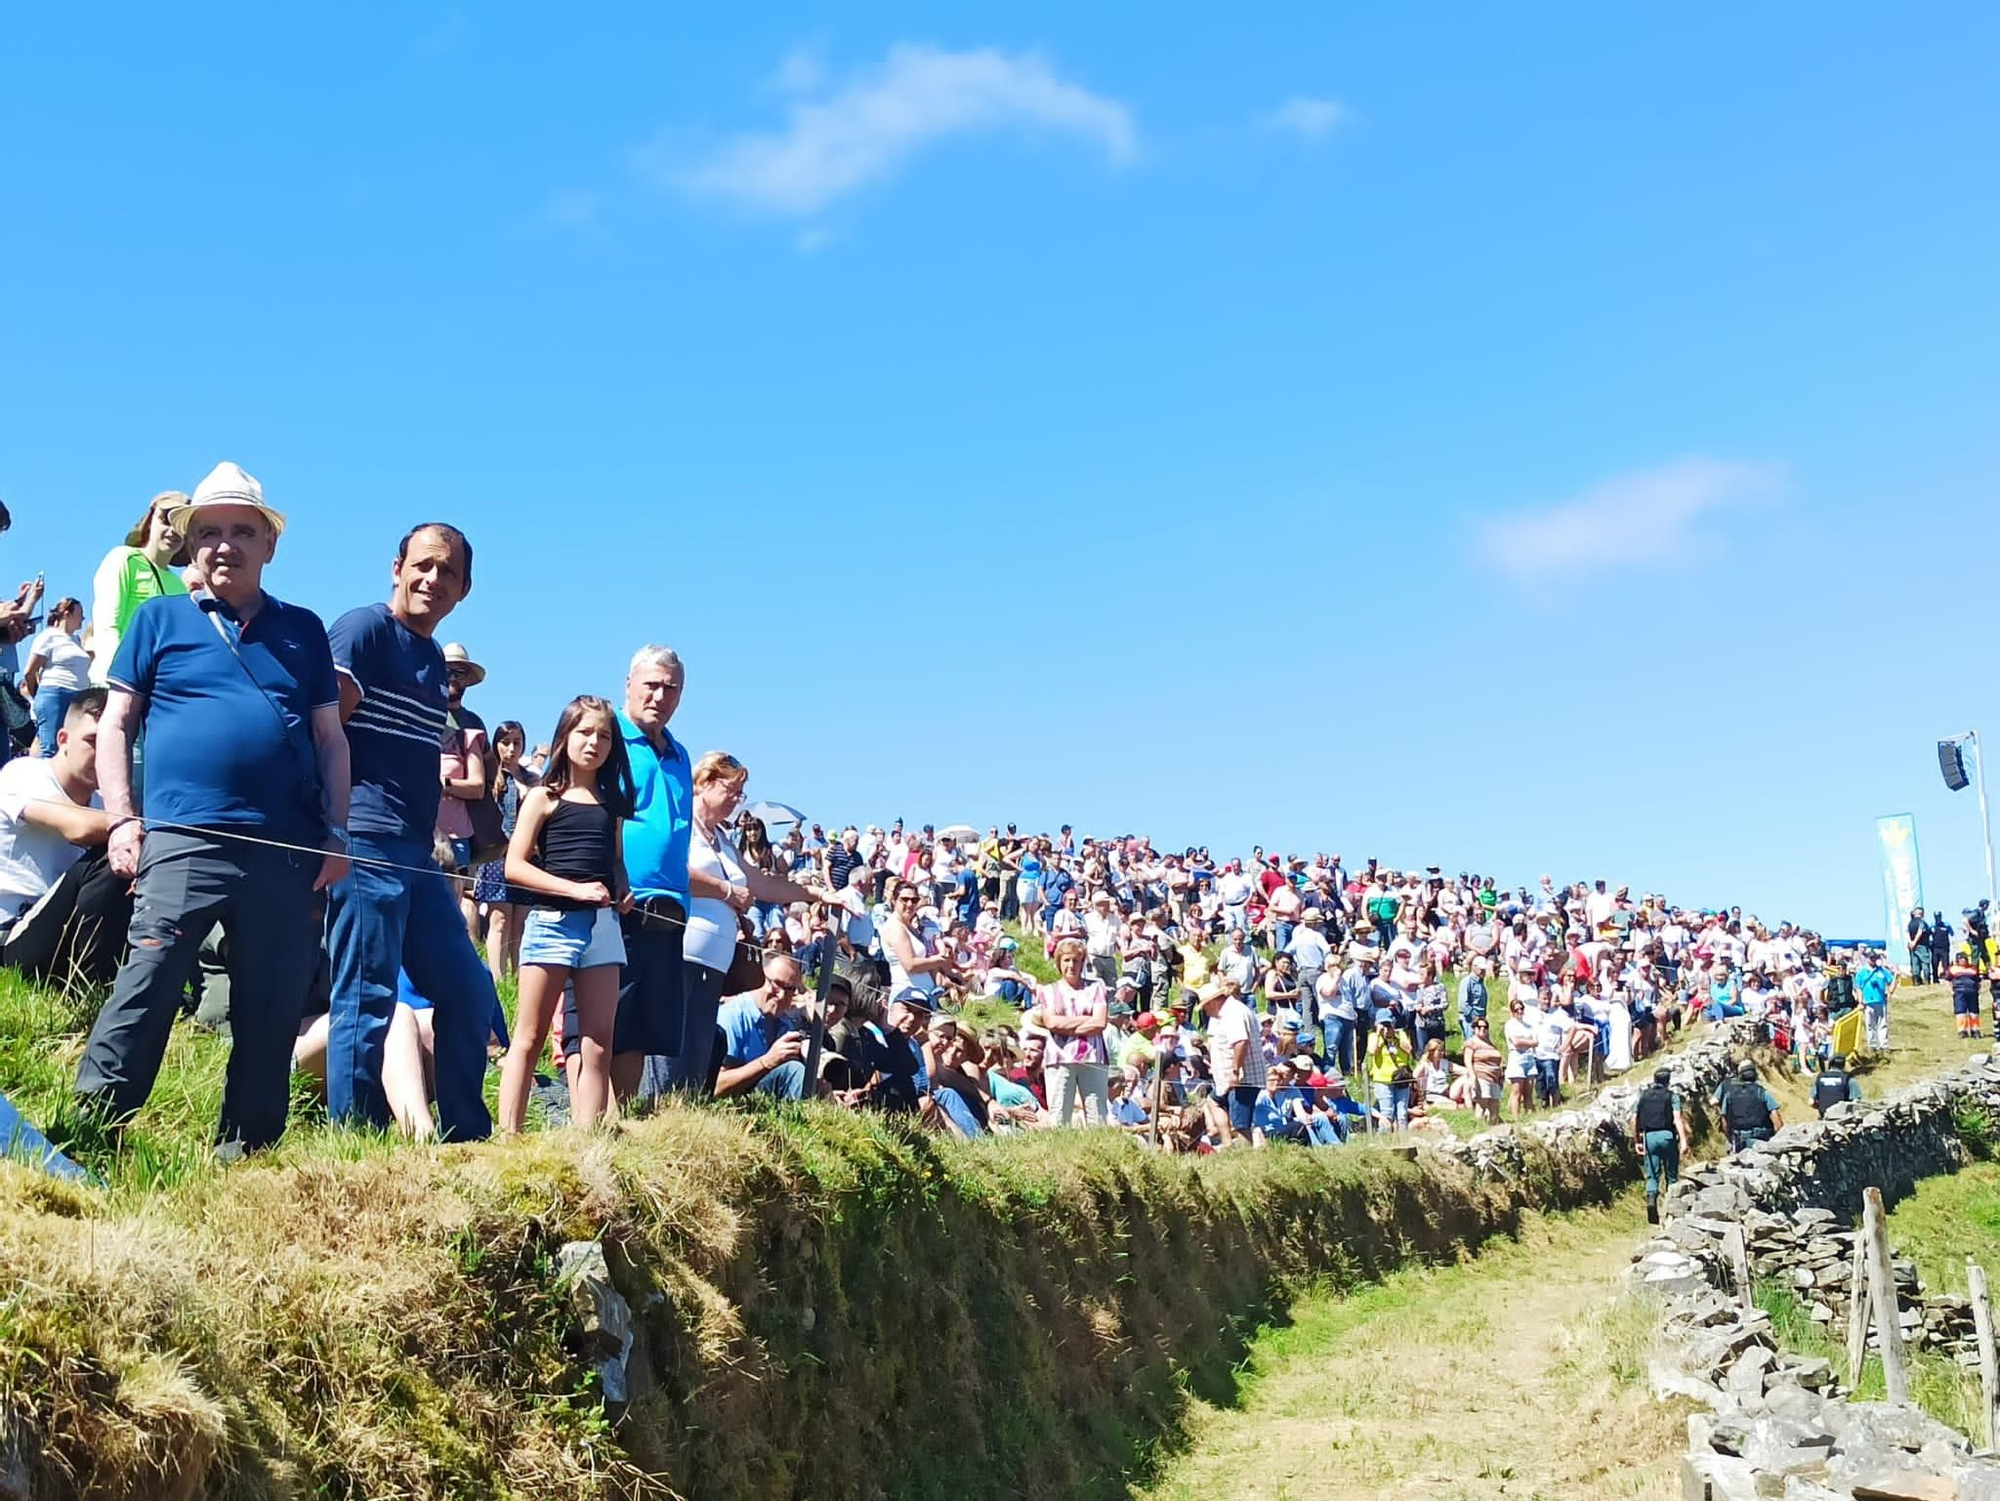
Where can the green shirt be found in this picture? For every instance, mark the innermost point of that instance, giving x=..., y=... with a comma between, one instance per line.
x=125, y=580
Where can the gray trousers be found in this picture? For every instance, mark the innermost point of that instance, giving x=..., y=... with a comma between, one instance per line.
x=265, y=902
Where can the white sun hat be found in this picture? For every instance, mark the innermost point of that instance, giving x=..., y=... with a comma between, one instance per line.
x=226, y=485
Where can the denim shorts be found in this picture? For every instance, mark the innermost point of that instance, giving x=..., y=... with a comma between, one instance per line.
x=572, y=940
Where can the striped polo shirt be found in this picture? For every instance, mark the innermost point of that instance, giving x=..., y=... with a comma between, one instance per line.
x=397, y=730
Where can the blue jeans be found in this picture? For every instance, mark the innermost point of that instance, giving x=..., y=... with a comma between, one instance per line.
x=1392, y=1103
x=702, y=997
x=1242, y=1103
x=380, y=920
x=1340, y=1042
x=1320, y=1133
x=786, y=1082
x=50, y=706
x=1281, y=936
x=1548, y=1074
x=950, y=1101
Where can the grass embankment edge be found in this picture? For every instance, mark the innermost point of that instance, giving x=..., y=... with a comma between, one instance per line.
x=827, y=1305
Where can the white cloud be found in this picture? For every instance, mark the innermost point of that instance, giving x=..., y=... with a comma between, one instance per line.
x=1633, y=520
x=570, y=209
x=802, y=71
x=870, y=125
x=1308, y=119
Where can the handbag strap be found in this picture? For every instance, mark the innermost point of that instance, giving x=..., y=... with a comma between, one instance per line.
x=309, y=774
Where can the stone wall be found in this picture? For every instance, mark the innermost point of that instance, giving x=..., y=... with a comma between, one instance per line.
x=1776, y=1424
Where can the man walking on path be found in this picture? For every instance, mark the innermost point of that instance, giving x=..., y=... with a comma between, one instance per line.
x=245, y=825
x=398, y=911
x=1661, y=1132
x=1750, y=1112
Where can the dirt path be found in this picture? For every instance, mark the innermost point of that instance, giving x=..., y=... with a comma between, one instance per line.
x=1519, y=1374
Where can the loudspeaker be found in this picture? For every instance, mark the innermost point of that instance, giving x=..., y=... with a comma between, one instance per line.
x=1951, y=761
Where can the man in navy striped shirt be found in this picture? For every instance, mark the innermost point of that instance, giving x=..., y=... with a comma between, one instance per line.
x=398, y=910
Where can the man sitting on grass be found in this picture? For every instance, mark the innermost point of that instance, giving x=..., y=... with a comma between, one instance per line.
x=763, y=1047
x=63, y=913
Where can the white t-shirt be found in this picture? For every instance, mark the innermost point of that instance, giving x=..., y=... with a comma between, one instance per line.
x=1242, y=968
x=32, y=858
x=710, y=940
x=66, y=664
x=860, y=921
x=1234, y=1023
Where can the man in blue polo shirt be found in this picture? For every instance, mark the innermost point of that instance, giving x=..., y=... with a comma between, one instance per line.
x=647, y=1034
x=247, y=782
x=397, y=911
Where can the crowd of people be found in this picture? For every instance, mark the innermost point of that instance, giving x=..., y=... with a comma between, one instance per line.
x=215, y=771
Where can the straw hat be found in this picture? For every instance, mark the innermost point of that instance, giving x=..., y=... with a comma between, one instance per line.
x=456, y=655
x=225, y=485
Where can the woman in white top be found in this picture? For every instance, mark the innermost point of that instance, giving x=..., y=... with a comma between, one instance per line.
x=1521, y=1035
x=1075, y=1013
x=721, y=888
x=58, y=669
x=912, y=964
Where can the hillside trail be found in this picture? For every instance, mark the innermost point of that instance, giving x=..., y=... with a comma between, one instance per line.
x=1520, y=1373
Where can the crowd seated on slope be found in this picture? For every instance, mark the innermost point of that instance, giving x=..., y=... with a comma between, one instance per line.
x=378, y=864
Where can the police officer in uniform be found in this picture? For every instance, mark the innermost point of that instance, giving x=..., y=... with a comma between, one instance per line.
x=1661, y=1131
x=1834, y=1084
x=1749, y=1110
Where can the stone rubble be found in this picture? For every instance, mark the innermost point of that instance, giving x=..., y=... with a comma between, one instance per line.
x=1778, y=1425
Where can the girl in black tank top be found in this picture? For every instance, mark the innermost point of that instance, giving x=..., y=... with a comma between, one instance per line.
x=568, y=854
x=578, y=843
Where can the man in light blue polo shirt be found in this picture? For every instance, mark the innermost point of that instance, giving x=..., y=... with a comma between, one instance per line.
x=247, y=781
x=651, y=993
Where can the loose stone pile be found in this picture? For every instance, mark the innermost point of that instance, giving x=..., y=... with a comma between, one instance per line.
x=1777, y=1424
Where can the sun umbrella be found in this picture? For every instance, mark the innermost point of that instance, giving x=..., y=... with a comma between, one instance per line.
x=959, y=831
x=776, y=815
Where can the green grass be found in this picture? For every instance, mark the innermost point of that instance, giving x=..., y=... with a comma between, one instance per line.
x=169, y=1143
x=1024, y=1316
x=1402, y=1386
x=1947, y=1220
x=1939, y=1385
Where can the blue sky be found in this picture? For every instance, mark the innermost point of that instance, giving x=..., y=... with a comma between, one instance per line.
x=1537, y=438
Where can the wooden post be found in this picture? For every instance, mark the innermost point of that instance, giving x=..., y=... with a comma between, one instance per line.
x=1153, y=1116
x=1882, y=1290
x=1989, y=1365
x=1739, y=1266
x=1857, y=1312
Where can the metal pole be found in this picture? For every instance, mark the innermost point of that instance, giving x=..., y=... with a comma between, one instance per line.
x=818, y=1034
x=1985, y=822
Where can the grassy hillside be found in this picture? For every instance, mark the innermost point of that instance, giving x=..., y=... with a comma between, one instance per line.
x=828, y=1306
